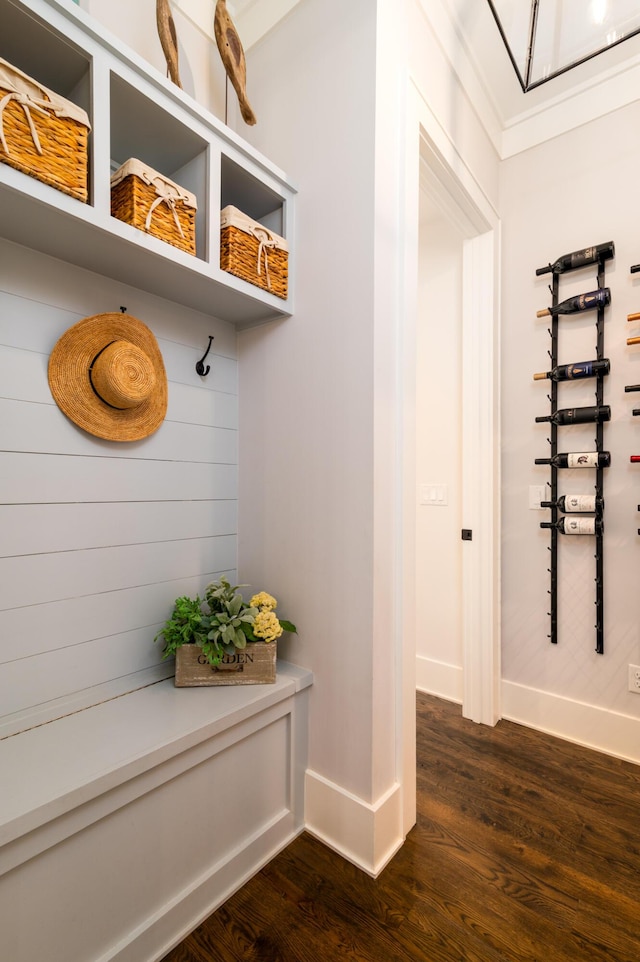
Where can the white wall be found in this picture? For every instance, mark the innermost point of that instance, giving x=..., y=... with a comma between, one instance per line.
x=436, y=61
x=576, y=190
x=201, y=71
x=100, y=537
x=322, y=395
x=438, y=449
x=306, y=384
x=318, y=468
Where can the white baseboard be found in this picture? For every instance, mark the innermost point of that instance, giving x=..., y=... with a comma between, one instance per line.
x=438, y=678
x=605, y=731
x=368, y=835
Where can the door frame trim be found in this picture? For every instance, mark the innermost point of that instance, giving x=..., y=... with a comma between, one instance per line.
x=429, y=152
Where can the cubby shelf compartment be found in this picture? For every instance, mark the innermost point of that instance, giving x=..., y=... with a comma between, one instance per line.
x=136, y=112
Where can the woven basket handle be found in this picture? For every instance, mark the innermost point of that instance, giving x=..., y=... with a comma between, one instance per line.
x=28, y=104
x=265, y=241
x=166, y=195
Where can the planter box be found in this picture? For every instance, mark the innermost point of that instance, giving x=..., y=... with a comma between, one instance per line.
x=255, y=665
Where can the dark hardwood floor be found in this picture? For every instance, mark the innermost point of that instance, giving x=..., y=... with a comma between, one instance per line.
x=526, y=848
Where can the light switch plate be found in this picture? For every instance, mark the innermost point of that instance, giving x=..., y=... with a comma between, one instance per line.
x=434, y=494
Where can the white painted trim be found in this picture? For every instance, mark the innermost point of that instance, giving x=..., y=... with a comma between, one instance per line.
x=516, y=121
x=601, y=729
x=582, y=104
x=367, y=834
x=480, y=416
x=447, y=30
x=466, y=196
x=439, y=679
x=408, y=207
x=462, y=183
x=480, y=487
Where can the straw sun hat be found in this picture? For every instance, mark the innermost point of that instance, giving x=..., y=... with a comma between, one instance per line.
x=107, y=374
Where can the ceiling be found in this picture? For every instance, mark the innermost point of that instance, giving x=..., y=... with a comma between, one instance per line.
x=477, y=31
x=546, y=37
x=468, y=26
x=239, y=7
x=254, y=18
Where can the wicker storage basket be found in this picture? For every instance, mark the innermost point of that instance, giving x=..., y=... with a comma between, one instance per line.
x=41, y=133
x=142, y=197
x=250, y=251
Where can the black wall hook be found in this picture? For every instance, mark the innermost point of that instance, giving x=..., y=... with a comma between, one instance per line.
x=200, y=368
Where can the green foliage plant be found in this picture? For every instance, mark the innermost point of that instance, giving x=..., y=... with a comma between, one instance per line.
x=221, y=623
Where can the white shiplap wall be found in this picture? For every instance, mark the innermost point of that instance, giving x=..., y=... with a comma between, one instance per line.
x=98, y=538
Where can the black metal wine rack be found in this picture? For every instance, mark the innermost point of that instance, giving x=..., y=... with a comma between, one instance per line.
x=599, y=471
x=634, y=269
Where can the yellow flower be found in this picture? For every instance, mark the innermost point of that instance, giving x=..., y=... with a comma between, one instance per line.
x=263, y=600
x=267, y=626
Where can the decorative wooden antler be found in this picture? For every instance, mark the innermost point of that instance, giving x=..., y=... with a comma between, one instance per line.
x=168, y=38
x=233, y=59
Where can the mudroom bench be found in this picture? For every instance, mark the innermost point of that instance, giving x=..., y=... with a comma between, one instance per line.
x=124, y=824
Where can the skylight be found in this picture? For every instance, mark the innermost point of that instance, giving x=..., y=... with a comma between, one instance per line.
x=545, y=38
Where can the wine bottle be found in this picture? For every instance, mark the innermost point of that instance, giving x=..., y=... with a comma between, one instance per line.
x=631, y=387
x=569, y=262
x=581, y=302
x=577, y=504
x=635, y=458
x=575, y=525
x=633, y=317
x=580, y=459
x=571, y=372
x=578, y=415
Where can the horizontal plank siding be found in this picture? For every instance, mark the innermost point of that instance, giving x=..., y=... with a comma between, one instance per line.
x=54, y=674
x=23, y=377
x=29, y=529
x=181, y=368
x=68, y=294
x=190, y=405
x=43, y=429
x=74, y=621
x=100, y=537
x=76, y=573
x=36, y=479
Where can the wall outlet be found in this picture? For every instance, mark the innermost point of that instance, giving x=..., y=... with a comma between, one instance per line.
x=634, y=678
x=537, y=494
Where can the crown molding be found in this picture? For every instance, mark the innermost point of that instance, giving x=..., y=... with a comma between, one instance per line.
x=514, y=120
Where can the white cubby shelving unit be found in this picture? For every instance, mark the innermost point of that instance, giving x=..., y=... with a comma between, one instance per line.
x=135, y=112
x=128, y=818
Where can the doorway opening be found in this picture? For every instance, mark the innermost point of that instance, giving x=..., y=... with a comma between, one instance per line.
x=456, y=420
x=452, y=434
